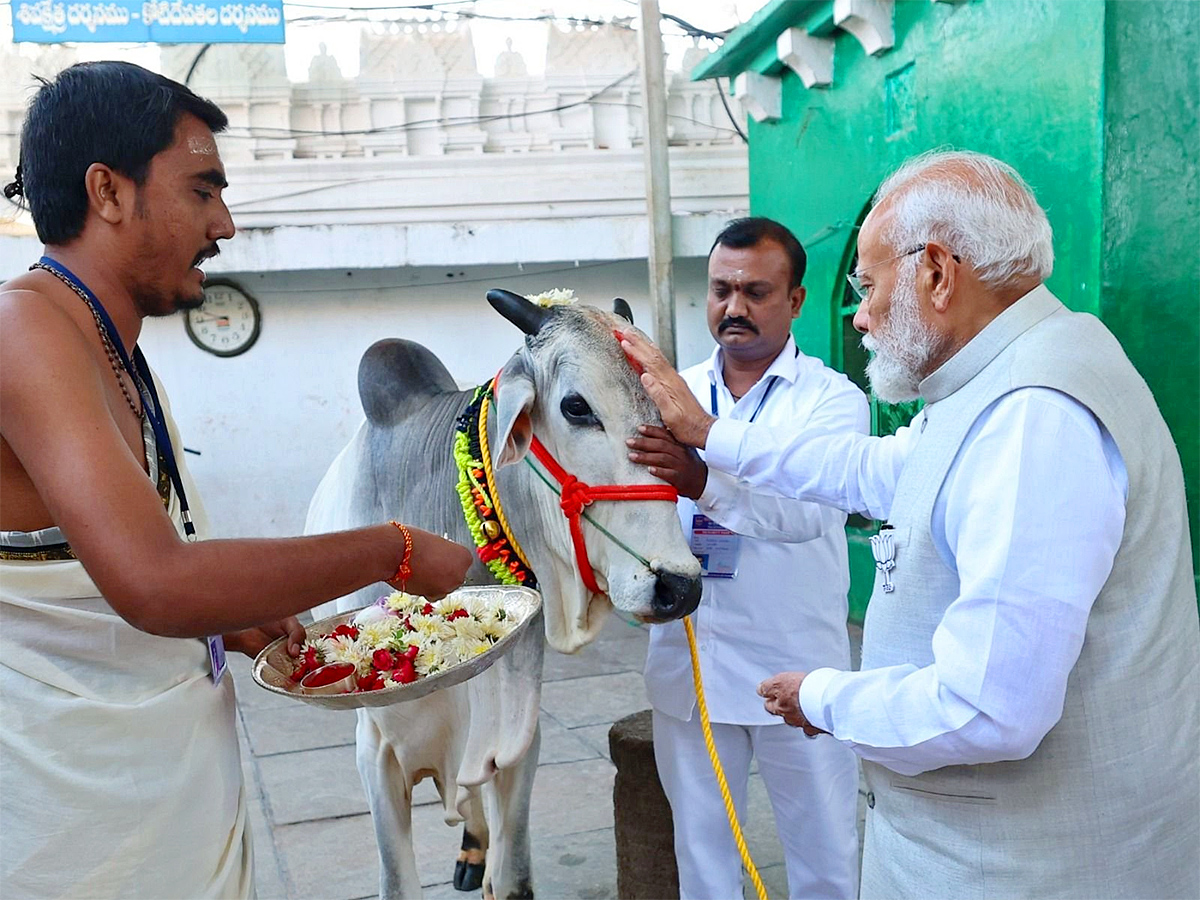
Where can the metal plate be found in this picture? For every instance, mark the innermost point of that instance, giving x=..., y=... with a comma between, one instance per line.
x=273, y=666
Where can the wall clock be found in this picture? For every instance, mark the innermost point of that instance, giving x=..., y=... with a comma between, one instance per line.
x=227, y=323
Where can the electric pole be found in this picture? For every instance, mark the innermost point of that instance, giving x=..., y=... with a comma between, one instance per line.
x=658, y=180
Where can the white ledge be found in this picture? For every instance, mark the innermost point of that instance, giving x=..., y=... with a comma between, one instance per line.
x=809, y=57
x=761, y=96
x=868, y=20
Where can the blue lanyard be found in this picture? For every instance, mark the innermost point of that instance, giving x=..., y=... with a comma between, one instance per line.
x=140, y=371
x=762, y=401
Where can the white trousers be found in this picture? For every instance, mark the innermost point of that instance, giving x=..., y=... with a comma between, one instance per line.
x=813, y=788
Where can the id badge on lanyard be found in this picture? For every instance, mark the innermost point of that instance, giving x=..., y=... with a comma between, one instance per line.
x=715, y=546
x=216, y=657
x=712, y=543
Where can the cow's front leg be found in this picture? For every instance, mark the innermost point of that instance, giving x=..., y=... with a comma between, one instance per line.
x=390, y=797
x=468, y=870
x=508, y=875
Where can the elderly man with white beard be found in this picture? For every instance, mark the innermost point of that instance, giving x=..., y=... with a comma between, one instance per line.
x=1028, y=708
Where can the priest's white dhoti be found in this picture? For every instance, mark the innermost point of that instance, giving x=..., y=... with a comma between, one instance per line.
x=120, y=773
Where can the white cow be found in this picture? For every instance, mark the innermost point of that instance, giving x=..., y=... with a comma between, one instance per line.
x=571, y=387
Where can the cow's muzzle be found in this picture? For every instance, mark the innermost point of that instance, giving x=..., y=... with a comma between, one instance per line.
x=675, y=596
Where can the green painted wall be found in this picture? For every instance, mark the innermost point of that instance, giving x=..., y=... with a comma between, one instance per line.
x=1077, y=96
x=1150, y=265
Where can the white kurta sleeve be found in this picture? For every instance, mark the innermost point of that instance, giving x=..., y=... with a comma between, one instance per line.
x=1031, y=515
x=848, y=470
x=765, y=515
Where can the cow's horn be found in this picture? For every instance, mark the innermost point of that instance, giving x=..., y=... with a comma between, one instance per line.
x=621, y=308
x=527, y=316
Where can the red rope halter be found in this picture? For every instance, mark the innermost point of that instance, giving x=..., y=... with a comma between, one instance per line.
x=576, y=495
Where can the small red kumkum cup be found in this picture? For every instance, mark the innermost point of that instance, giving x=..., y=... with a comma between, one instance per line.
x=334, y=678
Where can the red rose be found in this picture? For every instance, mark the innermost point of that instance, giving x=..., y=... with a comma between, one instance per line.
x=346, y=631
x=405, y=674
x=457, y=614
x=411, y=653
x=382, y=659
x=308, y=662
x=369, y=682
x=427, y=609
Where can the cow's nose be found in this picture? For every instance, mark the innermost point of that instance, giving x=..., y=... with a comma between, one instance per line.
x=675, y=596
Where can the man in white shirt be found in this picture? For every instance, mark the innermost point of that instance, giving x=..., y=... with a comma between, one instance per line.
x=1028, y=709
x=776, y=578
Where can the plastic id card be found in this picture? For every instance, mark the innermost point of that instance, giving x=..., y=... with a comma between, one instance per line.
x=716, y=547
x=216, y=655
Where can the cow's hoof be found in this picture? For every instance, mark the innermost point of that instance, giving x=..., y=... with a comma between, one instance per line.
x=468, y=876
x=523, y=892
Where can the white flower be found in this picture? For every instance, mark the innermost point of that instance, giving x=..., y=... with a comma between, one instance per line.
x=429, y=660
x=379, y=633
x=467, y=647
x=403, y=603
x=496, y=629
x=432, y=626
x=344, y=649
x=467, y=627
x=446, y=606
x=553, y=297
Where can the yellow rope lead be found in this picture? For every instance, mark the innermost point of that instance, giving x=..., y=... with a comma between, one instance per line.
x=486, y=453
x=730, y=812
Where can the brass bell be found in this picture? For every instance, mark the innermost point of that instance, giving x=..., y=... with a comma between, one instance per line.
x=491, y=528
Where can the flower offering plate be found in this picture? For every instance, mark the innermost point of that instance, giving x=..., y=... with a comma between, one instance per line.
x=274, y=668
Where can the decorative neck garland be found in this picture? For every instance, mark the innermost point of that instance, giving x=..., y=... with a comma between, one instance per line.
x=484, y=515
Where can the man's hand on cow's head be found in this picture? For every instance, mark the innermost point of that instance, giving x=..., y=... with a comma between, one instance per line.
x=666, y=458
x=438, y=565
x=681, y=413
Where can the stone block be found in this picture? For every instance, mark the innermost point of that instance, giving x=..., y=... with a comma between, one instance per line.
x=643, y=834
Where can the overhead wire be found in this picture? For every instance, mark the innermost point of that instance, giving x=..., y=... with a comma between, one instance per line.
x=729, y=112
x=457, y=281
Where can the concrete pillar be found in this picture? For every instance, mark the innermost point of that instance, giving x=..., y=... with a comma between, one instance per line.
x=641, y=814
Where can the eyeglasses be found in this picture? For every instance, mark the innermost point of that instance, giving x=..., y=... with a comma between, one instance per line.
x=861, y=291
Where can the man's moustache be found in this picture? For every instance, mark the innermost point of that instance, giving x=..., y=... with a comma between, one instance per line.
x=740, y=323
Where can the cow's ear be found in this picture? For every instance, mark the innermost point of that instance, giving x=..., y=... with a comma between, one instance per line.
x=514, y=403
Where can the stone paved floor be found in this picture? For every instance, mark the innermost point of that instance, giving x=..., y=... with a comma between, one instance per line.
x=313, y=836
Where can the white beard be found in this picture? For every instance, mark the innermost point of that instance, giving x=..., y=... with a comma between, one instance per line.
x=902, y=346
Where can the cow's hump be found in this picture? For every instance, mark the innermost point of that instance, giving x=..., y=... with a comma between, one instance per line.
x=396, y=377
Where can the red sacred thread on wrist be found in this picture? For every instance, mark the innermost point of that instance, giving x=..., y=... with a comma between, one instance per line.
x=404, y=571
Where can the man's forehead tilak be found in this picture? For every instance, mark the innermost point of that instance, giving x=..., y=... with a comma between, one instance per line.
x=202, y=146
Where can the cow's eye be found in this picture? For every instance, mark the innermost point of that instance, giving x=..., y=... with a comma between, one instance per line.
x=576, y=411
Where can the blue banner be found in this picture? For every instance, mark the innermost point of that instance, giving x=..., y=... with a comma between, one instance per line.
x=148, y=21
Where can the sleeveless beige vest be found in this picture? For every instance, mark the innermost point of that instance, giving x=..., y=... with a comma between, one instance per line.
x=1109, y=803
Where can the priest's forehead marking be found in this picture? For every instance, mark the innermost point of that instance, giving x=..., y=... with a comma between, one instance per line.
x=202, y=146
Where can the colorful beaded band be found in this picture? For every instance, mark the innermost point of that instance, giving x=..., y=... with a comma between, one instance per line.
x=496, y=547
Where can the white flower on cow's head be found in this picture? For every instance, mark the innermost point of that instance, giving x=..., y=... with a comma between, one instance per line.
x=553, y=297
